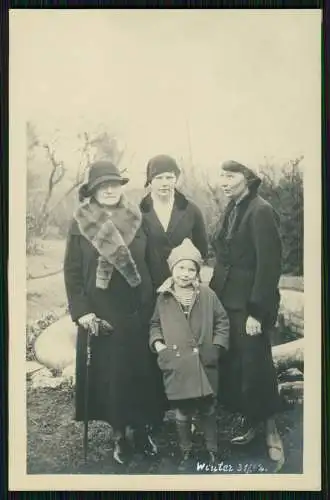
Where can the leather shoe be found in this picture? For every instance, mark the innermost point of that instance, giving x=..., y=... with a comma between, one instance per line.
x=186, y=462
x=245, y=438
x=121, y=451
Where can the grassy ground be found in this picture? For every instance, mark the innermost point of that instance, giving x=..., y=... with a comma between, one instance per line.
x=55, y=442
x=55, y=439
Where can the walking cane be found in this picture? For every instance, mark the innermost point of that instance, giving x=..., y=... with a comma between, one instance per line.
x=97, y=326
x=88, y=362
x=91, y=330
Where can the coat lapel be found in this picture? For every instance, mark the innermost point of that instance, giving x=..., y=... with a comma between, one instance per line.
x=155, y=221
x=176, y=217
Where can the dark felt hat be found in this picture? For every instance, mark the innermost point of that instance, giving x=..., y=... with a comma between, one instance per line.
x=99, y=172
x=253, y=180
x=159, y=165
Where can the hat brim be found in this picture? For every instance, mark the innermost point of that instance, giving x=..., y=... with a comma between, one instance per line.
x=106, y=178
x=86, y=190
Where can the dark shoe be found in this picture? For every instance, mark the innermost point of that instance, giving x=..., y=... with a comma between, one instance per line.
x=121, y=451
x=186, y=462
x=144, y=443
x=212, y=458
x=150, y=448
x=245, y=438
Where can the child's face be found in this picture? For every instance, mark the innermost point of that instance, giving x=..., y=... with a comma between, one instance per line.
x=184, y=273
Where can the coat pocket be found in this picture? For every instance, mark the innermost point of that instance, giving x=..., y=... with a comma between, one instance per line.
x=209, y=355
x=166, y=359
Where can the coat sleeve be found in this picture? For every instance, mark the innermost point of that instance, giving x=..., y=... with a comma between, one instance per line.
x=155, y=328
x=199, y=236
x=73, y=278
x=268, y=250
x=220, y=324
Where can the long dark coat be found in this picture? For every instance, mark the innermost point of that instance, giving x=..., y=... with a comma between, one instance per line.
x=245, y=278
x=120, y=389
x=186, y=222
x=190, y=361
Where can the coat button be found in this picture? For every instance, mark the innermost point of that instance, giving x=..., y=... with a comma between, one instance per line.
x=175, y=347
x=177, y=354
x=195, y=349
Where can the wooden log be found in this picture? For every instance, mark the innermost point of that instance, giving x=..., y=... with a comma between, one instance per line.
x=289, y=355
x=292, y=392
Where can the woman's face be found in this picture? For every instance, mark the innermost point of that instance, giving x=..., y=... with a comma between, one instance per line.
x=184, y=273
x=233, y=183
x=108, y=193
x=163, y=185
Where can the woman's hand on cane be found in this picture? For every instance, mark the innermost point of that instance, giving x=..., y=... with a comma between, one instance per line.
x=89, y=322
x=253, y=326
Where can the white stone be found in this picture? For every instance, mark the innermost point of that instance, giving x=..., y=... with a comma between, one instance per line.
x=55, y=347
x=291, y=312
x=69, y=374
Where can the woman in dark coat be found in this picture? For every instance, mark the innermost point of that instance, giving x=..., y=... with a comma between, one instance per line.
x=107, y=279
x=168, y=218
x=246, y=276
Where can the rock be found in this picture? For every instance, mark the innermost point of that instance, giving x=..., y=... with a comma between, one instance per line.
x=291, y=375
x=32, y=367
x=291, y=311
x=289, y=355
x=69, y=374
x=293, y=392
x=55, y=347
x=44, y=378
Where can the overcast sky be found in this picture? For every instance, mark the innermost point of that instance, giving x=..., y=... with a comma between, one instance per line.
x=246, y=82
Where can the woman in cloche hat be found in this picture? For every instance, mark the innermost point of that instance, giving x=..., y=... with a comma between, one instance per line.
x=168, y=218
x=107, y=279
x=246, y=276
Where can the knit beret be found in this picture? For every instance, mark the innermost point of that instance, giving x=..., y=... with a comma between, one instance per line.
x=185, y=251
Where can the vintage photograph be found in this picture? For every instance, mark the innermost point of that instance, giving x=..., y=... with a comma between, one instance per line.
x=167, y=161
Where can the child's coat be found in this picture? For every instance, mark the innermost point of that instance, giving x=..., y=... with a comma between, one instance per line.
x=190, y=362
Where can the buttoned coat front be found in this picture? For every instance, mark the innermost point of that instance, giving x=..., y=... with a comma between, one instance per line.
x=248, y=263
x=190, y=361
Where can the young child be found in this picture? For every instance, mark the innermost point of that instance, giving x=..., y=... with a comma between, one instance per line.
x=189, y=330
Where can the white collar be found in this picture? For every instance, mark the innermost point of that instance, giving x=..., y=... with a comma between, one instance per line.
x=157, y=201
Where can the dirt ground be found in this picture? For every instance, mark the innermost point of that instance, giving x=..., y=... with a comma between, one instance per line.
x=55, y=442
x=55, y=439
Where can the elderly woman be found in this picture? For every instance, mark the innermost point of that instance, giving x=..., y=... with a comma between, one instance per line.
x=168, y=218
x=109, y=291
x=246, y=276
